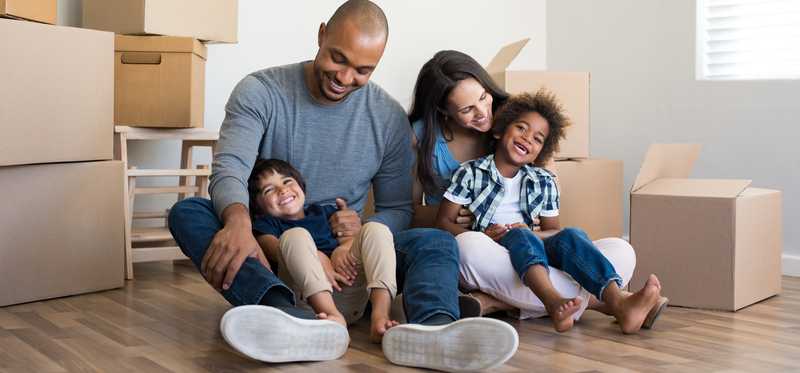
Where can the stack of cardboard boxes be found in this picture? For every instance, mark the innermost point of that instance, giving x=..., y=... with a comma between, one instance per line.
x=591, y=189
x=61, y=220
x=160, y=80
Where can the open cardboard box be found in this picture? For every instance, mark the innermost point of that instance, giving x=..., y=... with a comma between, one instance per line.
x=571, y=88
x=57, y=95
x=160, y=81
x=713, y=243
x=207, y=20
x=45, y=11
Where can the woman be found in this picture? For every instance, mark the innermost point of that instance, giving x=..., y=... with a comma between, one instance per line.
x=454, y=99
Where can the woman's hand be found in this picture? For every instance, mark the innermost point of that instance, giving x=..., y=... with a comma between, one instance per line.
x=344, y=263
x=333, y=277
x=496, y=231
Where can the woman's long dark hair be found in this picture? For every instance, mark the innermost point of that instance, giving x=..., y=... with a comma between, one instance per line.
x=436, y=80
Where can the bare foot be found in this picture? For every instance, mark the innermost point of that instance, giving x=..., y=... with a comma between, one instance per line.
x=561, y=313
x=379, y=326
x=339, y=318
x=634, y=308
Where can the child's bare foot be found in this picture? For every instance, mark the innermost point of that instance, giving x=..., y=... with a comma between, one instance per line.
x=634, y=308
x=561, y=313
x=339, y=318
x=379, y=326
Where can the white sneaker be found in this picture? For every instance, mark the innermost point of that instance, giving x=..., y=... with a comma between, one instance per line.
x=271, y=335
x=465, y=345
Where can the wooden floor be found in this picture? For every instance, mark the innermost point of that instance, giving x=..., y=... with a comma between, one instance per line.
x=167, y=320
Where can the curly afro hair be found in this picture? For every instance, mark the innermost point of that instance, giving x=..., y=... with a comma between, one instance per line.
x=545, y=104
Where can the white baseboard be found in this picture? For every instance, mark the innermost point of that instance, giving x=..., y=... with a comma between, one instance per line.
x=791, y=265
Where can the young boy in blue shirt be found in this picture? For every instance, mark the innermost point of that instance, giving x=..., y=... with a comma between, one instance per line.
x=508, y=189
x=311, y=260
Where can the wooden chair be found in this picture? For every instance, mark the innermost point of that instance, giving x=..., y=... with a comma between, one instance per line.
x=156, y=243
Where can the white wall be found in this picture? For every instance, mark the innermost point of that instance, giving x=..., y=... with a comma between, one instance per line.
x=641, y=54
x=280, y=32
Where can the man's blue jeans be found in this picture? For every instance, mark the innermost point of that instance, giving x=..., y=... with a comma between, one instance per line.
x=569, y=250
x=427, y=263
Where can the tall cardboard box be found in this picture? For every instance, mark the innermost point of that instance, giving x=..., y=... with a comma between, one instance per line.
x=61, y=230
x=571, y=88
x=32, y=10
x=591, y=192
x=160, y=81
x=207, y=20
x=713, y=243
x=56, y=93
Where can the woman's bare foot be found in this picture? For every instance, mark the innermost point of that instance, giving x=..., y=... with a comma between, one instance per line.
x=561, y=313
x=633, y=309
x=378, y=327
x=339, y=318
x=489, y=304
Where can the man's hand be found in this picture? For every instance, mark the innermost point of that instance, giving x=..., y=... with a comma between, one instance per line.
x=536, y=224
x=496, y=231
x=344, y=263
x=345, y=222
x=465, y=218
x=230, y=247
x=333, y=277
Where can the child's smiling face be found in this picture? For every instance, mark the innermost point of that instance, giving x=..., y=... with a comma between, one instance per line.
x=280, y=196
x=523, y=139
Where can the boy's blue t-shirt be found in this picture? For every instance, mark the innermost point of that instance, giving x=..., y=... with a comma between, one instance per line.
x=315, y=222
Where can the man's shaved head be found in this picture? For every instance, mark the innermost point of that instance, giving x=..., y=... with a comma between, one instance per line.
x=364, y=14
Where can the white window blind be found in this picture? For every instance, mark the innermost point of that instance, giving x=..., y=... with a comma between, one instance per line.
x=748, y=39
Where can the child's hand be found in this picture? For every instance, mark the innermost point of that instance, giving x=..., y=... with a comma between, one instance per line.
x=333, y=277
x=344, y=263
x=496, y=231
x=465, y=218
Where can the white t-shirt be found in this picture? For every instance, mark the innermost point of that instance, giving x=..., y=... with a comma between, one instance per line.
x=508, y=211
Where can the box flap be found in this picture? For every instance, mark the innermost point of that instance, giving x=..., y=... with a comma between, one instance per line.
x=713, y=188
x=667, y=161
x=125, y=43
x=504, y=57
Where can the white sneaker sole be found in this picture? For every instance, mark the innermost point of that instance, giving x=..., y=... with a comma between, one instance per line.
x=465, y=345
x=268, y=334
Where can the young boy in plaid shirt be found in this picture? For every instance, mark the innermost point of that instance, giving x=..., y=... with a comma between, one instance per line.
x=508, y=189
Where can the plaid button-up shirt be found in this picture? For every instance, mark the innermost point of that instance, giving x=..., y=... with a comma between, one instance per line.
x=478, y=185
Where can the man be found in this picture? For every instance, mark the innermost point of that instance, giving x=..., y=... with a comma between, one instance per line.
x=342, y=133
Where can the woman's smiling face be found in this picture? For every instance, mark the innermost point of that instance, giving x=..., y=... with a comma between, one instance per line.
x=470, y=105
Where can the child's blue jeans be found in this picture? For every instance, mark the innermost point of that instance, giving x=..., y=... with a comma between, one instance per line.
x=570, y=250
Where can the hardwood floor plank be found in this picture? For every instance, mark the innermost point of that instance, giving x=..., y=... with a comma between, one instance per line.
x=167, y=320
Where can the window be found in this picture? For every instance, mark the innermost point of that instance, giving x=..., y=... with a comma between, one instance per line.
x=748, y=39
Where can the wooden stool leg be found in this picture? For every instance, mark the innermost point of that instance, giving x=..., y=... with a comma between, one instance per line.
x=202, y=182
x=131, y=181
x=186, y=162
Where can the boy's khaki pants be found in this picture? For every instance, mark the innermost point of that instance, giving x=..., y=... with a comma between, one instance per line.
x=301, y=270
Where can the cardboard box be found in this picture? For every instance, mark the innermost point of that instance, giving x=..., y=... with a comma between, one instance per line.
x=32, y=10
x=160, y=81
x=713, y=243
x=207, y=20
x=61, y=230
x=571, y=88
x=56, y=93
x=591, y=196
